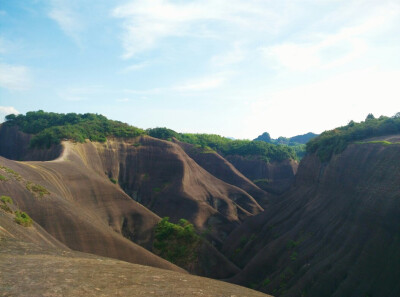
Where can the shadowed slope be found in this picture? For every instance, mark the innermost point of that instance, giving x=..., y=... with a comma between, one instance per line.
x=274, y=177
x=335, y=233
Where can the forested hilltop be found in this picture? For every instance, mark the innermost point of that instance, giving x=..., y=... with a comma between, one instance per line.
x=297, y=143
x=335, y=141
x=51, y=128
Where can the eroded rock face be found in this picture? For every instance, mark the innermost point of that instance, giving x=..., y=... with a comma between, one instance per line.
x=14, y=145
x=81, y=210
x=224, y=170
x=335, y=233
x=162, y=177
x=274, y=177
x=88, y=210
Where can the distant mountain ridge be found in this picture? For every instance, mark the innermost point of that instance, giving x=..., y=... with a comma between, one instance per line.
x=291, y=141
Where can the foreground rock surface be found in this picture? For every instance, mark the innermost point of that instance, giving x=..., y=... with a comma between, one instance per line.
x=34, y=264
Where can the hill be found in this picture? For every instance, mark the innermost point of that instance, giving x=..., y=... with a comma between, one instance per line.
x=335, y=141
x=291, y=141
x=296, y=143
x=334, y=233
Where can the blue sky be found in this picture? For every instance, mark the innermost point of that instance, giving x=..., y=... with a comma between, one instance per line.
x=230, y=67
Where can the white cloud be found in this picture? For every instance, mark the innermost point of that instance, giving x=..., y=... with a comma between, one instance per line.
x=16, y=78
x=66, y=17
x=6, y=110
x=146, y=23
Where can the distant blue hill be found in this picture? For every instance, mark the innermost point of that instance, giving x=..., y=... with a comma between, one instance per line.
x=292, y=141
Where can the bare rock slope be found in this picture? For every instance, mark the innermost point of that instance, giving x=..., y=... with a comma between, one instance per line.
x=335, y=233
x=32, y=263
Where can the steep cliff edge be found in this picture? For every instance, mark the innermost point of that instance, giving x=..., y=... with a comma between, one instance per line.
x=335, y=233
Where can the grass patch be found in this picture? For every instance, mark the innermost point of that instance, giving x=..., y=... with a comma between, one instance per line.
x=37, y=189
x=113, y=180
x=23, y=218
x=5, y=201
x=16, y=175
x=3, y=178
x=381, y=142
x=177, y=243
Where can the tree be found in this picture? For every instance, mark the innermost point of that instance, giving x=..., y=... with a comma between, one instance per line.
x=370, y=116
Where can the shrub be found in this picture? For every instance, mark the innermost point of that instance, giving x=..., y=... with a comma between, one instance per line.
x=12, y=172
x=37, y=189
x=113, y=180
x=23, y=218
x=6, y=199
x=176, y=243
x=2, y=178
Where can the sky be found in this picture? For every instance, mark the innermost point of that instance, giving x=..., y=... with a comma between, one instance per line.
x=236, y=68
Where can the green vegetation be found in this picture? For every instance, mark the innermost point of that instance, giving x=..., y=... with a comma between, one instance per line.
x=335, y=141
x=177, y=243
x=113, y=180
x=5, y=201
x=23, y=218
x=50, y=128
x=292, y=141
x=16, y=175
x=246, y=148
x=297, y=143
x=37, y=189
x=162, y=133
x=210, y=143
x=381, y=142
x=3, y=178
x=266, y=282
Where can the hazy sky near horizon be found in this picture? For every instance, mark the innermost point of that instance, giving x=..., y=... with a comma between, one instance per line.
x=231, y=67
